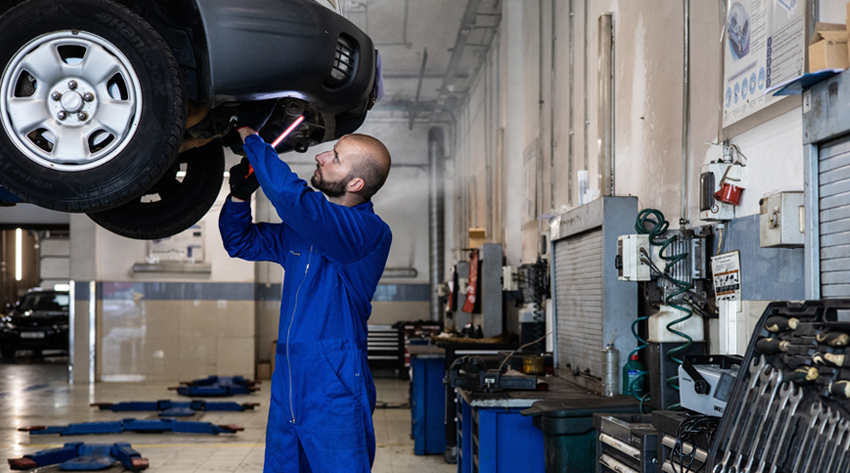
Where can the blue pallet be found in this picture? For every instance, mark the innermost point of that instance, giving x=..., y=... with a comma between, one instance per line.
x=428, y=405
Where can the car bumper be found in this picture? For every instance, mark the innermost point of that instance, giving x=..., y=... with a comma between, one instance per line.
x=53, y=341
x=267, y=49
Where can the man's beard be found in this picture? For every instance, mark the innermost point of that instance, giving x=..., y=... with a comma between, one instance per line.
x=330, y=189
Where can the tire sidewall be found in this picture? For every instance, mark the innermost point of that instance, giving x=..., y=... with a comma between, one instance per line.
x=147, y=154
x=148, y=221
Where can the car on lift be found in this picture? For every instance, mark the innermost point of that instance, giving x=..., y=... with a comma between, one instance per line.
x=122, y=108
x=37, y=322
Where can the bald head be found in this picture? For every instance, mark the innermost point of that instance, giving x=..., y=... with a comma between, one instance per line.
x=371, y=162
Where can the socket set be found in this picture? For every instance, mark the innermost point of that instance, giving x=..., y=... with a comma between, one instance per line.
x=790, y=407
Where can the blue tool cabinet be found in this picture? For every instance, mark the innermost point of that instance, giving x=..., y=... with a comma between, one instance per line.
x=494, y=439
x=428, y=405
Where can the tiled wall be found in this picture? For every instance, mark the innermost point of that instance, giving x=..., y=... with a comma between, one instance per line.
x=174, y=331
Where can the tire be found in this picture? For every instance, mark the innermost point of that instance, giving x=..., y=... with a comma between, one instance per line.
x=8, y=353
x=181, y=203
x=119, y=87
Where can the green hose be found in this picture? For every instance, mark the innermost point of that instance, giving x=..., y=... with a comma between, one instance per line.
x=659, y=227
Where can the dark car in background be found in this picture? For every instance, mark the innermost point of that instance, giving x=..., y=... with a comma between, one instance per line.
x=37, y=322
x=122, y=108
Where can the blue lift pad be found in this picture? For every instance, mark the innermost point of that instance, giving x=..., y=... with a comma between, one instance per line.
x=8, y=198
x=169, y=408
x=217, y=386
x=134, y=425
x=79, y=456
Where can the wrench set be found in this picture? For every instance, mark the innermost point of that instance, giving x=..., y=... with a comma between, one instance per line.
x=790, y=408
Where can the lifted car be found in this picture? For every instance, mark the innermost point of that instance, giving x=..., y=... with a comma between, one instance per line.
x=120, y=109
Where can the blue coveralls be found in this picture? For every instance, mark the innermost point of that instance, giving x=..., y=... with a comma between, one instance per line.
x=323, y=395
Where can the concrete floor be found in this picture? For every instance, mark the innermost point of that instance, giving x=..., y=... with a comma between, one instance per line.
x=34, y=392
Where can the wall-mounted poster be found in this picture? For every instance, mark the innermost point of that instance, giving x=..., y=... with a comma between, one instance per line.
x=185, y=247
x=765, y=45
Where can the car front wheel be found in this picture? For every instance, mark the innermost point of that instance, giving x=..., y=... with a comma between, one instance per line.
x=92, y=105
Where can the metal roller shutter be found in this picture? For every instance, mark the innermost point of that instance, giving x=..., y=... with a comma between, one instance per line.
x=578, y=283
x=834, y=219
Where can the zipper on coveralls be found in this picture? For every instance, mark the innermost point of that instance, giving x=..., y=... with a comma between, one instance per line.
x=291, y=319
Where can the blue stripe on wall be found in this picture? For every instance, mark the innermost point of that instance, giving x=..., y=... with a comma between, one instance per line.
x=81, y=290
x=205, y=291
x=402, y=293
x=268, y=292
x=177, y=291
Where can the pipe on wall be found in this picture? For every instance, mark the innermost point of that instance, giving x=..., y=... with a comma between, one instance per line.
x=686, y=111
x=436, y=212
x=605, y=67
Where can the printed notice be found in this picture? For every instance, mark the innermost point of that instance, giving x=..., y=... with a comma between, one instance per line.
x=726, y=274
x=765, y=45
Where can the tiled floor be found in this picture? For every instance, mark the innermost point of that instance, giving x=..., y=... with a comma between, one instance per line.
x=34, y=392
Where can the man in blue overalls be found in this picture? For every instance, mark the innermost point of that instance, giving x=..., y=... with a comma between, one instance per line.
x=333, y=251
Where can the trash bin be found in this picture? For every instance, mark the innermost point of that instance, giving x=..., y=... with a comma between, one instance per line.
x=568, y=432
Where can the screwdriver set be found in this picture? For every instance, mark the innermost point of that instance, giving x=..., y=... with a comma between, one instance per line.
x=790, y=407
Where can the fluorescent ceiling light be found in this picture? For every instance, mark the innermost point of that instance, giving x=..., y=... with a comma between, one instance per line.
x=19, y=254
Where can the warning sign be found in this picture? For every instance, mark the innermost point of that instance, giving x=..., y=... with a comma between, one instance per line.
x=726, y=271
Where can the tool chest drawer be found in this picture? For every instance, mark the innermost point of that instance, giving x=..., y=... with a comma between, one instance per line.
x=625, y=443
x=789, y=411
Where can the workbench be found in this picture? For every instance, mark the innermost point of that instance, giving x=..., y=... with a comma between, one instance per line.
x=493, y=437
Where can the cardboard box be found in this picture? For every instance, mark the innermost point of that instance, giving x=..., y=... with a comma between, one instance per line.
x=828, y=47
x=477, y=237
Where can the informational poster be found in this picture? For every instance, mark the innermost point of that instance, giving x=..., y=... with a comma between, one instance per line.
x=726, y=273
x=185, y=247
x=765, y=45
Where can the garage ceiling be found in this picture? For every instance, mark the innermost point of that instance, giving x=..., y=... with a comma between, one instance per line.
x=455, y=33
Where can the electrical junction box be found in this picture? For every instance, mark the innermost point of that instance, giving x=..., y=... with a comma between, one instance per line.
x=781, y=223
x=510, y=278
x=629, y=255
x=711, y=400
x=712, y=175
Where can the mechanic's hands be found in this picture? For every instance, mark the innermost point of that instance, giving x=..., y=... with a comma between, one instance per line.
x=243, y=180
x=254, y=115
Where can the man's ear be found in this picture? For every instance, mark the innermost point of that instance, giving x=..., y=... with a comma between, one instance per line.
x=355, y=185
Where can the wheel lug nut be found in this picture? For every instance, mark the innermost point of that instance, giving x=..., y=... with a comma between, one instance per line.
x=83, y=116
x=61, y=115
x=88, y=96
x=55, y=96
x=72, y=84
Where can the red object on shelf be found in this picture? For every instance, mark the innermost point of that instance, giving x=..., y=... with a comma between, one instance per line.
x=729, y=194
x=469, y=305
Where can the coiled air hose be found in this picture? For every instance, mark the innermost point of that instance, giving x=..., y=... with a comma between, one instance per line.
x=659, y=227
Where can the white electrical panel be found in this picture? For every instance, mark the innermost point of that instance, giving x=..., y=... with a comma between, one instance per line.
x=510, y=278
x=629, y=255
x=712, y=176
x=781, y=220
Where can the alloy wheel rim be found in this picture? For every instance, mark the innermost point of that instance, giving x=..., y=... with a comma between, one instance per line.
x=71, y=101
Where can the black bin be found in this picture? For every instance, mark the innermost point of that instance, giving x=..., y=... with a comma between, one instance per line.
x=568, y=432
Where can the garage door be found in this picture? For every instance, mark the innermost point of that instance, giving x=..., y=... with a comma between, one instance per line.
x=578, y=283
x=834, y=218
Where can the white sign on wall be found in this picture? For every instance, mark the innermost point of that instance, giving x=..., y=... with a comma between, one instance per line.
x=765, y=44
x=726, y=276
x=184, y=247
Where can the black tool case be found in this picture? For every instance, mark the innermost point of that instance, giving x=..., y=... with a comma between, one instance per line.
x=789, y=411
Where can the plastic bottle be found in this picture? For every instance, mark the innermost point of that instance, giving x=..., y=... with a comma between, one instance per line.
x=631, y=372
x=611, y=369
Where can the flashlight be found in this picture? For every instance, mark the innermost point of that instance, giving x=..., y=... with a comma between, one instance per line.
x=288, y=131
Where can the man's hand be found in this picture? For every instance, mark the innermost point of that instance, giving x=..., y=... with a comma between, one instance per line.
x=254, y=115
x=243, y=181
